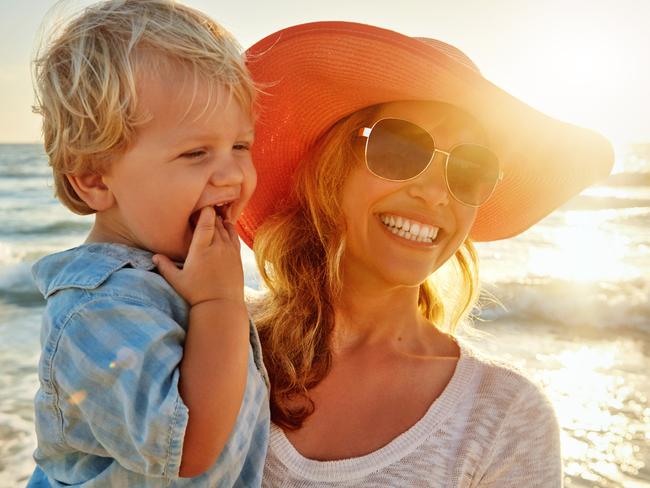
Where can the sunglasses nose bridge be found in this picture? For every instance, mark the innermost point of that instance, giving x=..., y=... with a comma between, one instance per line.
x=431, y=183
x=445, y=160
x=436, y=165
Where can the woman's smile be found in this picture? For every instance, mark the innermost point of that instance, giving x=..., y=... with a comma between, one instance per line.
x=409, y=229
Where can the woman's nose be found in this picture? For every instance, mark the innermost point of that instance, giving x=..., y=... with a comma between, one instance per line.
x=431, y=185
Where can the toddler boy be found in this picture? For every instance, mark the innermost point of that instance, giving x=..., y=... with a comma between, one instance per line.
x=147, y=120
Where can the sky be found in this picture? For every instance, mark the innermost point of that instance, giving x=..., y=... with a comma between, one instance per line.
x=583, y=61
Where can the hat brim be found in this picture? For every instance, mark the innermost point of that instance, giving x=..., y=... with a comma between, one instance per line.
x=315, y=74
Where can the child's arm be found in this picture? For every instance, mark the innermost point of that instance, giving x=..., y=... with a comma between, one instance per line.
x=215, y=358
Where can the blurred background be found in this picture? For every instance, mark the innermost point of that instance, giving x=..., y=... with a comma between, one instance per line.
x=575, y=289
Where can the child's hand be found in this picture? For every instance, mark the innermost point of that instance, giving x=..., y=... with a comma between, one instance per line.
x=213, y=269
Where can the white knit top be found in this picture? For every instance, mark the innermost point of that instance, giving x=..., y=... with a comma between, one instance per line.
x=491, y=427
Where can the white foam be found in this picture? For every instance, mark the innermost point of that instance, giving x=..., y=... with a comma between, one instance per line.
x=594, y=305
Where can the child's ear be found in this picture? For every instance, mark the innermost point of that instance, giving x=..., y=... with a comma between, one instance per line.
x=92, y=190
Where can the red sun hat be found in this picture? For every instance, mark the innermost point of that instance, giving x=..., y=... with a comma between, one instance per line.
x=318, y=73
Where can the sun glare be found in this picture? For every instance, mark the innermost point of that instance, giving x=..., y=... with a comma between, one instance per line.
x=590, y=403
x=588, y=73
x=583, y=251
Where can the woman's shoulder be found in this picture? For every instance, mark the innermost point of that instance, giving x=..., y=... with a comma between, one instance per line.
x=497, y=383
x=509, y=414
x=501, y=410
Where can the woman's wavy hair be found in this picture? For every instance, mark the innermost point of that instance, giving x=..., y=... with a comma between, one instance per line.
x=87, y=69
x=298, y=252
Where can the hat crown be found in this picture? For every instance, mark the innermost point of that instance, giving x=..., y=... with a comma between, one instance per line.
x=451, y=51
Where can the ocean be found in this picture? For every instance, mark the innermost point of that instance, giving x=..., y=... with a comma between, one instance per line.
x=568, y=301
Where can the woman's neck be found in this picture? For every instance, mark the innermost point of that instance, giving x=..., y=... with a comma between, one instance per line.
x=367, y=314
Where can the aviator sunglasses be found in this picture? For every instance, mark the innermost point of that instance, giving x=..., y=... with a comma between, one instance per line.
x=399, y=150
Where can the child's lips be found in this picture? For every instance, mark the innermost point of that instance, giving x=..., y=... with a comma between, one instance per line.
x=223, y=210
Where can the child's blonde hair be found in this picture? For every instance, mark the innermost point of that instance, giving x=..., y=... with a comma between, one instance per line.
x=86, y=74
x=299, y=251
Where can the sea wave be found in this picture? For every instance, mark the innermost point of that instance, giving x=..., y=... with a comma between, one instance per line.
x=613, y=195
x=13, y=174
x=17, y=286
x=632, y=178
x=55, y=228
x=604, y=305
x=609, y=305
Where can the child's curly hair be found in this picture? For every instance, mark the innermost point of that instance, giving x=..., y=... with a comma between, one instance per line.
x=86, y=76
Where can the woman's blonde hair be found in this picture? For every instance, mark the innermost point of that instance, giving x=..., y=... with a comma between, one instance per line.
x=86, y=74
x=299, y=250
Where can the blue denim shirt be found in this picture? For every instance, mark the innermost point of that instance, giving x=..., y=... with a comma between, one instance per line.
x=108, y=410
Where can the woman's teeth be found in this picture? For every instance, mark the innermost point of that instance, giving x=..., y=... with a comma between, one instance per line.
x=409, y=229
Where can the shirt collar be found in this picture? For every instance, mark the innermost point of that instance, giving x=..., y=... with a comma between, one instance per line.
x=87, y=266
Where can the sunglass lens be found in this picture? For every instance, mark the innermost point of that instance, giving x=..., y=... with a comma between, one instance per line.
x=472, y=173
x=398, y=150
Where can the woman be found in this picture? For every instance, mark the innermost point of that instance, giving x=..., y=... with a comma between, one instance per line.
x=380, y=158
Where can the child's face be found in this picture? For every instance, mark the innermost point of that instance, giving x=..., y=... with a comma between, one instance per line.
x=194, y=152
